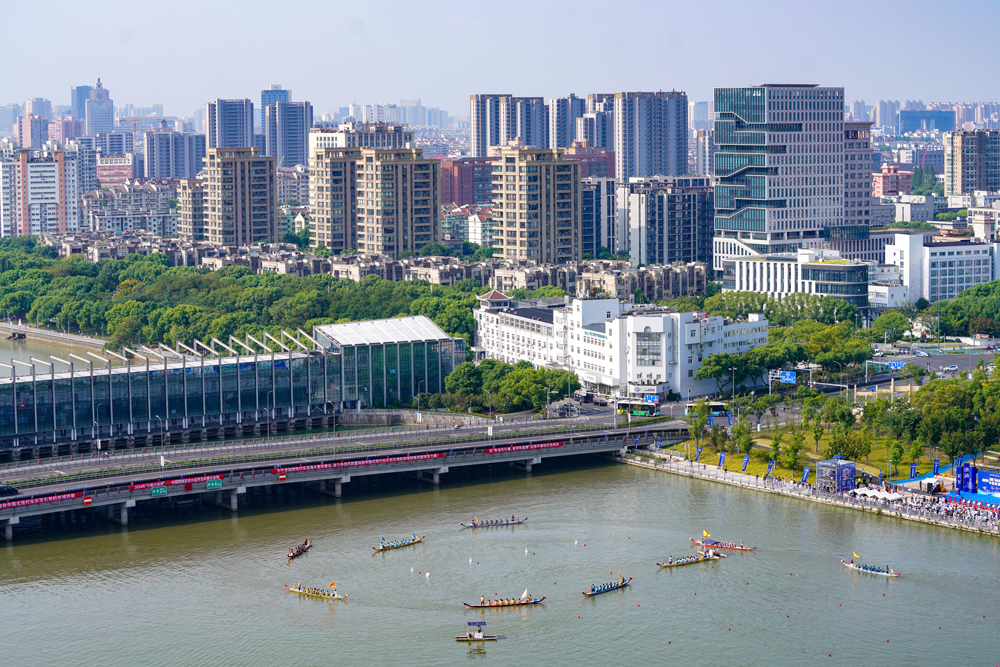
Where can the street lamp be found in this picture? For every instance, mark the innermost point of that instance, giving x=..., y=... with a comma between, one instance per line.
x=267, y=412
x=418, y=398
x=97, y=427
x=732, y=370
x=161, y=429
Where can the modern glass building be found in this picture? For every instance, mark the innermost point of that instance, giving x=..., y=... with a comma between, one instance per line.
x=780, y=167
x=221, y=390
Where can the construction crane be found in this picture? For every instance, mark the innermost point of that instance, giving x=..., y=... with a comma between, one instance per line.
x=135, y=121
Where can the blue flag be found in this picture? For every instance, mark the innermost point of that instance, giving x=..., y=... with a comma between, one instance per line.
x=711, y=421
x=937, y=465
x=746, y=460
x=805, y=475
x=913, y=470
x=770, y=466
x=697, y=454
x=722, y=458
x=730, y=415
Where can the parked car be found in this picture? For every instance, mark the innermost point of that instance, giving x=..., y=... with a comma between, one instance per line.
x=950, y=369
x=600, y=401
x=7, y=490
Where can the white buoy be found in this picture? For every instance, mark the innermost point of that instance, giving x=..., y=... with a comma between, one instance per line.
x=411, y=569
x=428, y=575
x=525, y=552
x=576, y=541
x=470, y=561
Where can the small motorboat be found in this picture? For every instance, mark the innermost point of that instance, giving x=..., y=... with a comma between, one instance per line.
x=478, y=635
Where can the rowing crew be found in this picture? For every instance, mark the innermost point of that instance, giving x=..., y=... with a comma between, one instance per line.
x=607, y=587
x=503, y=602
x=315, y=591
x=299, y=549
x=495, y=522
x=398, y=543
x=869, y=568
x=682, y=561
x=730, y=545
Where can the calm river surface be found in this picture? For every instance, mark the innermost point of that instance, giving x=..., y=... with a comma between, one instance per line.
x=200, y=586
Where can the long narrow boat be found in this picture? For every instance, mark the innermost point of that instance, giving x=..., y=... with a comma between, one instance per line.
x=407, y=543
x=490, y=524
x=690, y=561
x=714, y=544
x=322, y=596
x=516, y=603
x=861, y=569
x=620, y=584
x=301, y=549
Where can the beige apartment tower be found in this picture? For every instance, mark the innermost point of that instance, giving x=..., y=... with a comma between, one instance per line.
x=536, y=193
x=240, y=196
x=191, y=202
x=381, y=201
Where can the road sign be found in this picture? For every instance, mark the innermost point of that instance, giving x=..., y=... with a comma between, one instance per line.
x=87, y=500
x=874, y=388
x=158, y=491
x=651, y=398
x=214, y=484
x=774, y=375
x=788, y=377
x=896, y=365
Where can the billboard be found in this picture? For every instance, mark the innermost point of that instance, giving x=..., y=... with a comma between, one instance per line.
x=989, y=482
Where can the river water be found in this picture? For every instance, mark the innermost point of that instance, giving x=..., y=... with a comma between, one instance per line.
x=201, y=586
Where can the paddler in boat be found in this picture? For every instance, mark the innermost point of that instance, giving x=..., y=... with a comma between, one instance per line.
x=670, y=561
x=741, y=545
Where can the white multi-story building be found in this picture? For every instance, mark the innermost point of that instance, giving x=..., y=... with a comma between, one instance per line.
x=810, y=271
x=614, y=348
x=361, y=135
x=160, y=223
x=940, y=270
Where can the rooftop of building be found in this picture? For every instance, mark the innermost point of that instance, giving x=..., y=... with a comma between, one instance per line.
x=382, y=332
x=538, y=314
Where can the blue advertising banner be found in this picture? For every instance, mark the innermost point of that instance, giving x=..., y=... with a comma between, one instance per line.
x=746, y=460
x=711, y=421
x=937, y=466
x=959, y=483
x=846, y=472
x=722, y=458
x=697, y=454
x=989, y=482
x=913, y=470
x=730, y=415
x=770, y=466
x=958, y=461
x=805, y=475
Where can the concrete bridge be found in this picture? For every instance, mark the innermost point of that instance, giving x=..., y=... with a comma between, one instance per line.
x=113, y=493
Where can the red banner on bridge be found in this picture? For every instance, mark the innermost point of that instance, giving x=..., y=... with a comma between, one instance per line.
x=521, y=448
x=366, y=462
x=39, y=501
x=173, y=482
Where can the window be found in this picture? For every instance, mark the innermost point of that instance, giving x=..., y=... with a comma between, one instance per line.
x=647, y=348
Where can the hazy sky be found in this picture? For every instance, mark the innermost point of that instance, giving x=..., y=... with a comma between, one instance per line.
x=185, y=52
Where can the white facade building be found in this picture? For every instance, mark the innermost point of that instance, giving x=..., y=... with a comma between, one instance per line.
x=810, y=271
x=937, y=271
x=39, y=192
x=628, y=353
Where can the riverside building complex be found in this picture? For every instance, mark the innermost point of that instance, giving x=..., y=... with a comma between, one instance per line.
x=220, y=389
x=616, y=349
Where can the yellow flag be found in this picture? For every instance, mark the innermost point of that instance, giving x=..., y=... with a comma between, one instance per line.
x=704, y=533
x=332, y=585
x=855, y=554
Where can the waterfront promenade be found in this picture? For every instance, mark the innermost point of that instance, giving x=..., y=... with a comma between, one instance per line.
x=809, y=492
x=54, y=336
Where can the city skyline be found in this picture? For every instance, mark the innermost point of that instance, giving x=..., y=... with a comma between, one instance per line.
x=649, y=55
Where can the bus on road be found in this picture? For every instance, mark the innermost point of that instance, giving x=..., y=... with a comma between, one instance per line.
x=638, y=409
x=715, y=409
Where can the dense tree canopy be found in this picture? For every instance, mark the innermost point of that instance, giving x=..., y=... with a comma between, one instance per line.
x=782, y=312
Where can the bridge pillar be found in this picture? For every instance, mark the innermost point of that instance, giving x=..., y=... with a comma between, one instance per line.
x=527, y=463
x=337, y=482
x=8, y=529
x=122, y=518
x=435, y=475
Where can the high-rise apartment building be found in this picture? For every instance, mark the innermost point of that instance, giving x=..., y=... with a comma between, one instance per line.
x=398, y=200
x=241, y=197
x=99, y=111
x=64, y=128
x=39, y=192
x=272, y=95
x=86, y=163
x=597, y=128
x=31, y=132
x=666, y=218
x=78, y=96
x=699, y=116
x=971, y=161
x=484, y=123
x=169, y=154
x=230, y=124
x=858, y=110
x=38, y=106
x=858, y=150
x=779, y=167
x=885, y=114
x=598, y=214
x=704, y=152
x=650, y=134
x=333, y=196
x=563, y=114
x=191, y=202
x=352, y=134
x=594, y=162
x=525, y=119
x=537, y=197
x=467, y=180
x=286, y=131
